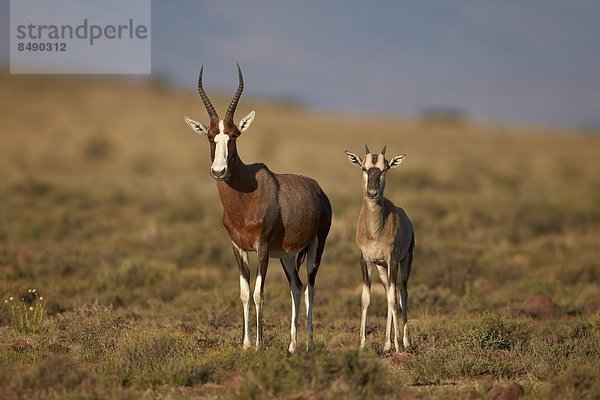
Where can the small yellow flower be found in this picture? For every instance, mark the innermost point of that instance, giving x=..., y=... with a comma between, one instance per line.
x=30, y=308
x=41, y=298
x=5, y=301
x=11, y=298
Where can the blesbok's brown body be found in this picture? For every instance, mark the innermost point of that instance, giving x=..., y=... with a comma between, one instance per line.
x=281, y=216
x=283, y=209
x=385, y=237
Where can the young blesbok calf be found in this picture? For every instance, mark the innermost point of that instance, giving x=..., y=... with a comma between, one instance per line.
x=277, y=215
x=386, y=239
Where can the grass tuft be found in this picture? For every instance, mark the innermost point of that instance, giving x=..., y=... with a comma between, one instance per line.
x=26, y=315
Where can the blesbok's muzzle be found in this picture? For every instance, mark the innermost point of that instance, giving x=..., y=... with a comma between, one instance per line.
x=218, y=175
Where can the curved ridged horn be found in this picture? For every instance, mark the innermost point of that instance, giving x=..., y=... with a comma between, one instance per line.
x=367, y=151
x=236, y=96
x=209, y=107
x=383, y=151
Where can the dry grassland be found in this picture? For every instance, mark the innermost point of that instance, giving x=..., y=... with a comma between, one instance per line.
x=108, y=211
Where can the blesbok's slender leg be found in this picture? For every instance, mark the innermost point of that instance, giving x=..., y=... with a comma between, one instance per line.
x=311, y=271
x=384, y=276
x=261, y=274
x=392, y=299
x=291, y=272
x=406, y=266
x=242, y=259
x=365, y=299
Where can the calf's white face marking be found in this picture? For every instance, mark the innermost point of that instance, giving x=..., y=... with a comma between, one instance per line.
x=219, y=165
x=374, y=167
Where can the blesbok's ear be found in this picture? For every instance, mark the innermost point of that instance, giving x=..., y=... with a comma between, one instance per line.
x=196, y=126
x=394, y=162
x=246, y=121
x=354, y=158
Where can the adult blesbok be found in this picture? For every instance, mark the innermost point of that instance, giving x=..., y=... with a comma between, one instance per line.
x=277, y=215
x=386, y=239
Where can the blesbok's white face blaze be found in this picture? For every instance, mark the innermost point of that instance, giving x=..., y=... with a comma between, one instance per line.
x=222, y=133
x=223, y=141
x=219, y=165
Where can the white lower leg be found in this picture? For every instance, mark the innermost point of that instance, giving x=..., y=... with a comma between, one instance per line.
x=245, y=297
x=258, y=300
x=383, y=275
x=404, y=299
x=309, y=295
x=366, y=300
x=295, y=293
x=388, y=329
x=392, y=305
x=406, y=337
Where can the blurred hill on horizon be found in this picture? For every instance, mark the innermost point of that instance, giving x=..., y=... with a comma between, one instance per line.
x=57, y=127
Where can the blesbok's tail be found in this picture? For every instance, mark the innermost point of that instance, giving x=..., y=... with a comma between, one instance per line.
x=324, y=226
x=301, y=257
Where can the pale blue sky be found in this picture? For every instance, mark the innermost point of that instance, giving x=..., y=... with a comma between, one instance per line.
x=533, y=61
